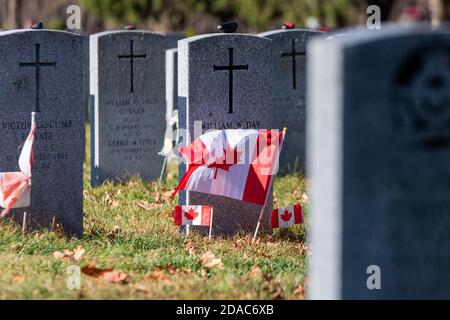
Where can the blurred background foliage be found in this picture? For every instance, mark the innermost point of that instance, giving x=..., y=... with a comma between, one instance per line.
x=202, y=16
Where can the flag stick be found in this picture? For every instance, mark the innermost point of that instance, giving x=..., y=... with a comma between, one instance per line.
x=162, y=170
x=210, y=223
x=188, y=227
x=24, y=222
x=267, y=195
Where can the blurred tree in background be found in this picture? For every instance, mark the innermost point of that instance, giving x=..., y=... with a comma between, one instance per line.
x=202, y=16
x=253, y=15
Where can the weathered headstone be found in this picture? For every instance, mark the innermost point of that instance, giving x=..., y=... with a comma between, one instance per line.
x=379, y=152
x=128, y=98
x=289, y=89
x=225, y=82
x=44, y=71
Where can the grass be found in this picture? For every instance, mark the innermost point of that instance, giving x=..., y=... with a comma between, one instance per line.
x=129, y=227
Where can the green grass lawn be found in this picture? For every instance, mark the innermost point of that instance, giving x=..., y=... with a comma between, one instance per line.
x=129, y=227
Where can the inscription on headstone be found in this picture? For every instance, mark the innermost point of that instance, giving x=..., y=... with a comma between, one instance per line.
x=225, y=83
x=45, y=71
x=128, y=99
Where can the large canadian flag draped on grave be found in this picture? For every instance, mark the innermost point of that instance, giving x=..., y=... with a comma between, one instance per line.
x=235, y=163
x=15, y=187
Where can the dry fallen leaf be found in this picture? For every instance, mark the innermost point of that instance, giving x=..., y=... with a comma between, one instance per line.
x=164, y=196
x=108, y=275
x=147, y=205
x=112, y=204
x=209, y=260
x=161, y=273
x=255, y=272
x=76, y=254
x=274, y=288
x=18, y=279
x=114, y=232
x=300, y=292
x=190, y=248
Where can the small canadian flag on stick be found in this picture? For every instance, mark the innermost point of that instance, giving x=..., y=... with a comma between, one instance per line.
x=284, y=217
x=193, y=215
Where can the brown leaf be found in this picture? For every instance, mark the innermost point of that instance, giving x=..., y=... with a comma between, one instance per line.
x=76, y=254
x=190, y=248
x=161, y=273
x=114, y=276
x=18, y=279
x=274, y=288
x=108, y=275
x=255, y=272
x=147, y=205
x=112, y=204
x=209, y=260
x=164, y=196
x=114, y=232
x=300, y=292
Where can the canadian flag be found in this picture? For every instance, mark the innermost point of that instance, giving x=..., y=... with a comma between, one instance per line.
x=15, y=187
x=235, y=163
x=192, y=215
x=284, y=217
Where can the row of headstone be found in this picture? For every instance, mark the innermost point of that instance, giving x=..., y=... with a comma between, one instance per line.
x=130, y=108
x=378, y=124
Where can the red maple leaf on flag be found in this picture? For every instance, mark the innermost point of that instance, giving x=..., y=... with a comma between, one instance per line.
x=229, y=158
x=191, y=214
x=286, y=215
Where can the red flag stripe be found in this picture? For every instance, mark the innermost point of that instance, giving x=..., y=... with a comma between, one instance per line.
x=298, y=214
x=258, y=184
x=274, y=220
x=178, y=220
x=206, y=215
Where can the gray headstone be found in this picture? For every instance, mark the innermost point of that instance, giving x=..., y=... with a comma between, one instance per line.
x=205, y=95
x=379, y=153
x=44, y=70
x=289, y=89
x=128, y=95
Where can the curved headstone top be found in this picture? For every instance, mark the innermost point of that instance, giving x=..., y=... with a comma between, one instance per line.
x=38, y=31
x=45, y=71
x=126, y=31
x=229, y=37
x=286, y=31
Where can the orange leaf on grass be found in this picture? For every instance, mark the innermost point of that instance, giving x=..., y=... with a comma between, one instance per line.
x=76, y=254
x=109, y=275
x=209, y=260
